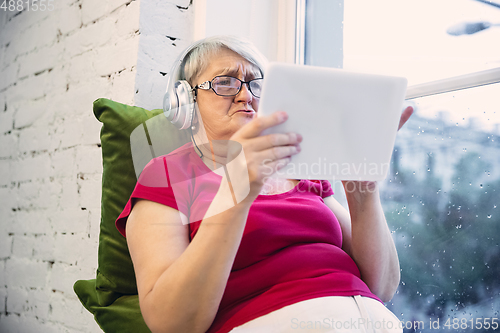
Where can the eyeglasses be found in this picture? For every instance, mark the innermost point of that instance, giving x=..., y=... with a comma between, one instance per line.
x=231, y=86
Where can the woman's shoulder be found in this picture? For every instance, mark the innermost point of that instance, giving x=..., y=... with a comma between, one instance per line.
x=175, y=164
x=181, y=156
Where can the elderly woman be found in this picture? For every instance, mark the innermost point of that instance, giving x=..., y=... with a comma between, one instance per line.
x=286, y=258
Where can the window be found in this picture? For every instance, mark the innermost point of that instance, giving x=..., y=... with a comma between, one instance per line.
x=443, y=192
x=441, y=199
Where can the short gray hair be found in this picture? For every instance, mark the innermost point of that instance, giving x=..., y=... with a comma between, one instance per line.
x=196, y=60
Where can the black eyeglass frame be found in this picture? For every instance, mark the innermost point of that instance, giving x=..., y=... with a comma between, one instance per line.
x=210, y=86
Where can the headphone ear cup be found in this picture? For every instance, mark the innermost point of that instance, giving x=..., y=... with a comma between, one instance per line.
x=178, y=104
x=171, y=105
x=186, y=104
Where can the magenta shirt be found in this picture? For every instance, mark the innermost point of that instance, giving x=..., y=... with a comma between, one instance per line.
x=291, y=246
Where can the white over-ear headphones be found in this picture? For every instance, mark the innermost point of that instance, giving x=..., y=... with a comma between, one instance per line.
x=179, y=101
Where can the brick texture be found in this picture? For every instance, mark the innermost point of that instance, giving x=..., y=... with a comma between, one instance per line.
x=53, y=65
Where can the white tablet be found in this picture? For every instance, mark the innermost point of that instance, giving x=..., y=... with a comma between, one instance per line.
x=348, y=120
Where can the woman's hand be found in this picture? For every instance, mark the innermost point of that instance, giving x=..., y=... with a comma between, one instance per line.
x=266, y=154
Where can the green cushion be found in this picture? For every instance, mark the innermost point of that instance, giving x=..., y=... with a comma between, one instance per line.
x=123, y=315
x=112, y=295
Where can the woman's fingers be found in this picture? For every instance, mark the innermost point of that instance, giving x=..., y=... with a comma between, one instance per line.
x=269, y=147
x=278, y=153
x=266, y=154
x=276, y=165
x=259, y=124
x=276, y=140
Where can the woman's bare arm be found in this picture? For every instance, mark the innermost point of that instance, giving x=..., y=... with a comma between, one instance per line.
x=367, y=239
x=181, y=284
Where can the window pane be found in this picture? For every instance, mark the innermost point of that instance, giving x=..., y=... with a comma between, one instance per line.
x=442, y=199
x=409, y=38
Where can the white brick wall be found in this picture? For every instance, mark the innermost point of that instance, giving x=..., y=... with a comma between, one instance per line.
x=53, y=65
x=166, y=30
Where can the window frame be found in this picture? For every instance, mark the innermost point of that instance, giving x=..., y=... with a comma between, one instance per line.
x=461, y=82
x=270, y=25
